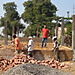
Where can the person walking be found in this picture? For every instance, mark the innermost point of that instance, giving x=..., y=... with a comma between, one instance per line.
x=45, y=33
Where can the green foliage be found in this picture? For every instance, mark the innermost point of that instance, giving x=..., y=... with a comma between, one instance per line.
x=69, y=28
x=10, y=11
x=11, y=15
x=2, y=21
x=39, y=12
x=31, y=30
x=68, y=34
x=11, y=18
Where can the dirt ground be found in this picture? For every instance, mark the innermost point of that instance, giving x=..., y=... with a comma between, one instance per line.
x=71, y=68
x=8, y=52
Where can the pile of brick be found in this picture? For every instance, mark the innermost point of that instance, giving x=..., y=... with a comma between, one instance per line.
x=3, y=63
x=22, y=59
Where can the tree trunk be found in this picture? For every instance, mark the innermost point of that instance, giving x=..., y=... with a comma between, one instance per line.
x=18, y=31
x=73, y=36
x=37, y=31
x=62, y=32
x=6, y=35
x=13, y=29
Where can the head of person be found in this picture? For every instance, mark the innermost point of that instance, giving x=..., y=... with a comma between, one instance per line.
x=30, y=37
x=54, y=38
x=14, y=36
x=45, y=26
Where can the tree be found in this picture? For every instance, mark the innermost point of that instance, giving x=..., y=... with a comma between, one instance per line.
x=68, y=34
x=39, y=12
x=11, y=16
x=68, y=25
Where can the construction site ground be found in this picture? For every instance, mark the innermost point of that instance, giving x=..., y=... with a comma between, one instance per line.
x=7, y=51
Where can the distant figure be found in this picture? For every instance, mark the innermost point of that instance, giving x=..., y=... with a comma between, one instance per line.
x=18, y=46
x=30, y=46
x=45, y=33
x=56, y=48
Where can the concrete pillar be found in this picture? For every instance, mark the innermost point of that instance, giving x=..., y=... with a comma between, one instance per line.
x=73, y=36
x=62, y=32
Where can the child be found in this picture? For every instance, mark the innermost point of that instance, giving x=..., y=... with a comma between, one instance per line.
x=18, y=46
x=30, y=46
x=56, y=48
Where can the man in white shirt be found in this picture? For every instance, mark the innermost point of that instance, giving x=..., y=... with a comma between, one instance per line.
x=56, y=48
x=30, y=46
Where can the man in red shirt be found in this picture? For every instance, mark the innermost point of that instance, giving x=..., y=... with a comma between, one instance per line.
x=45, y=33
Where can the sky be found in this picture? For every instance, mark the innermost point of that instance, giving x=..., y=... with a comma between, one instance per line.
x=62, y=5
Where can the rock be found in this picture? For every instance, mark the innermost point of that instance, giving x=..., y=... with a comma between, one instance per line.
x=34, y=69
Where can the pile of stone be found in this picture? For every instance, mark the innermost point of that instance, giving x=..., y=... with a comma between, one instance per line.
x=34, y=69
x=22, y=59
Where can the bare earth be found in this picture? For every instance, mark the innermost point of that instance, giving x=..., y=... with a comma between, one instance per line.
x=8, y=52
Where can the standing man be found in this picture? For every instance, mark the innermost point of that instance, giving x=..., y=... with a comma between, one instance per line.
x=56, y=48
x=45, y=33
x=18, y=46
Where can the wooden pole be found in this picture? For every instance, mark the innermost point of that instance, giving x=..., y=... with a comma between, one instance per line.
x=73, y=36
x=62, y=32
